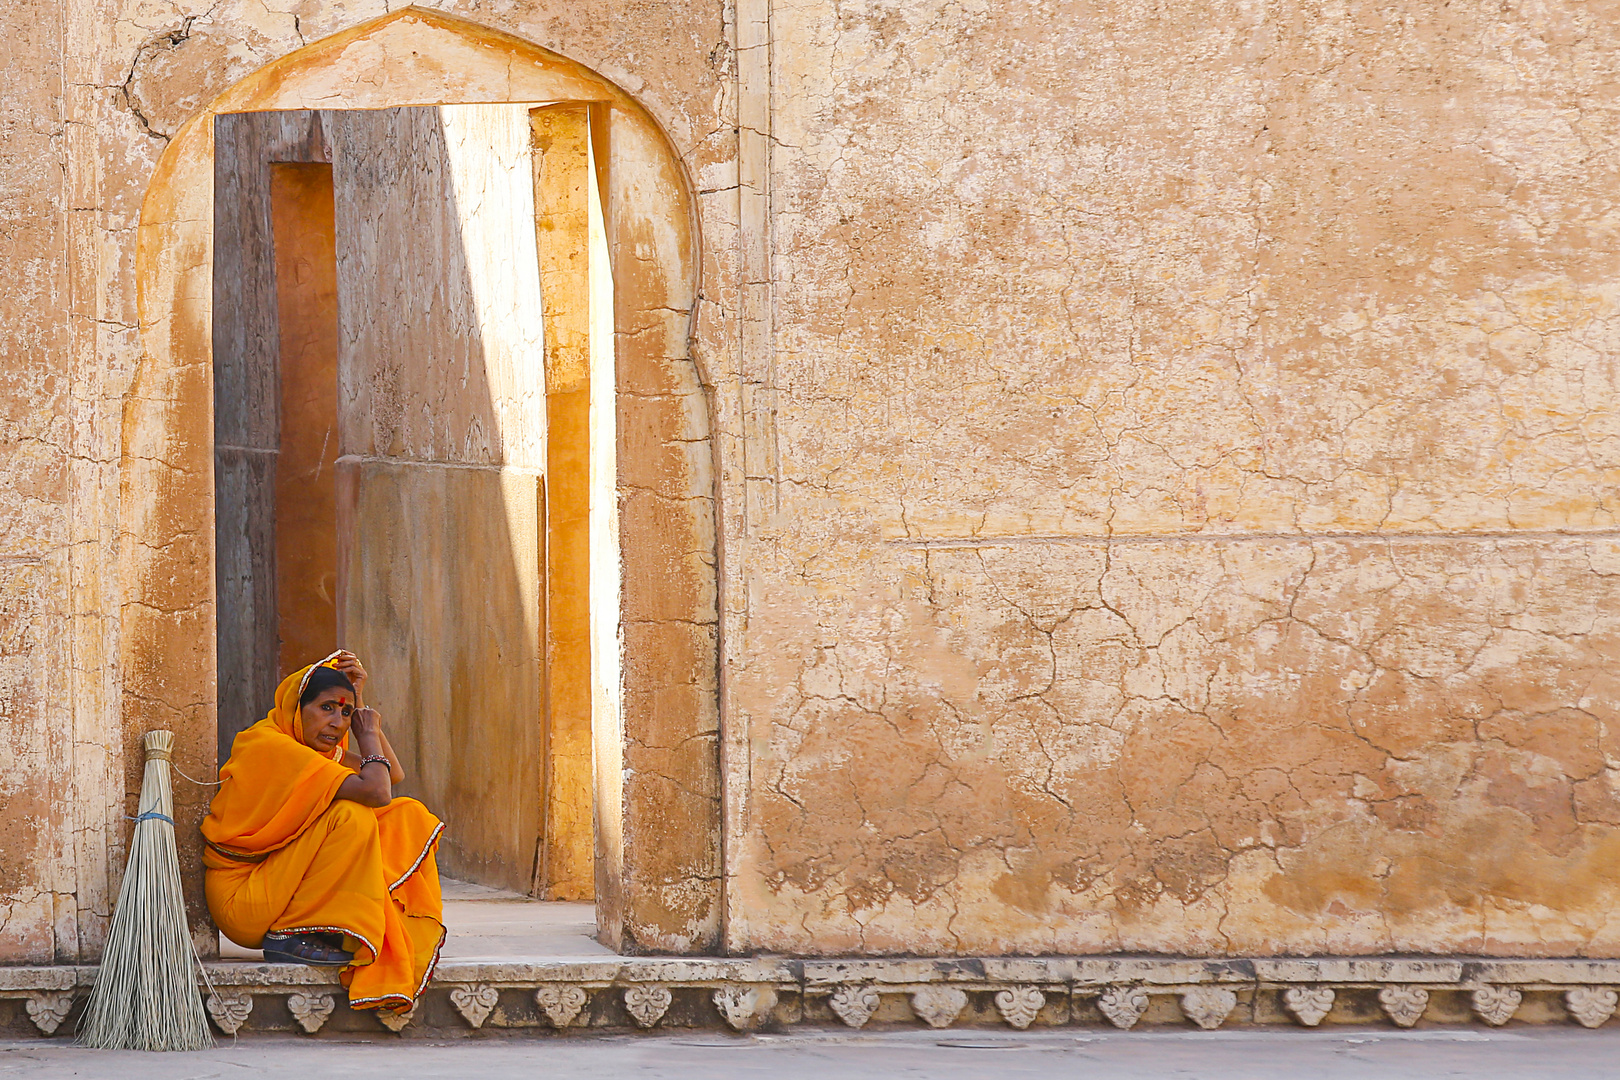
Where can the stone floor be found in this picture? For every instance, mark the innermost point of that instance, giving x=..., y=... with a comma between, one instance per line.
x=1343, y=1054
x=489, y=924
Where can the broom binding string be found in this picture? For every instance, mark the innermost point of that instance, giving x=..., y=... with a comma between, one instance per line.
x=151, y=815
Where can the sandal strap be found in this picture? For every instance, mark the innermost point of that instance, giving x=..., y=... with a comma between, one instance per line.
x=305, y=950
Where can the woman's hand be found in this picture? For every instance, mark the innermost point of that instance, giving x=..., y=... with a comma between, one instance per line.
x=349, y=665
x=365, y=724
x=365, y=728
x=372, y=784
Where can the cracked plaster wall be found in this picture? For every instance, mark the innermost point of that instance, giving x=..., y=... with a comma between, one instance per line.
x=52, y=467
x=1144, y=436
x=1110, y=338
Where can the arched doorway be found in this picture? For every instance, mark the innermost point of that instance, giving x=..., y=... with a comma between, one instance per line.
x=649, y=540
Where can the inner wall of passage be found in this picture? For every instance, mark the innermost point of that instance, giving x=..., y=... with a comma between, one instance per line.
x=301, y=205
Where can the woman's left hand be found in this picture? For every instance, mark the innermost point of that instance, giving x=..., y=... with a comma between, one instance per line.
x=349, y=664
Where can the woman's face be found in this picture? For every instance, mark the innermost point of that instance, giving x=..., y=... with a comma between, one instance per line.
x=326, y=719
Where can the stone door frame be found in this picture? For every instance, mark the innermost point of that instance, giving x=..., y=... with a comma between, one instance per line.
x=657, y=771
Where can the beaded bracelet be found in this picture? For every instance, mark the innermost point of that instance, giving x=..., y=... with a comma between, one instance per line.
x=375, y=757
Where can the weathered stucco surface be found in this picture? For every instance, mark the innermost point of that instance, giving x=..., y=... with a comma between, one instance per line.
x=1164, y=463
x=34, y=442
x=58, y=794
x=1177, y=409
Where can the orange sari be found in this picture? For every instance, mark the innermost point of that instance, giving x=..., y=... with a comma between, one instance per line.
x=283, y=855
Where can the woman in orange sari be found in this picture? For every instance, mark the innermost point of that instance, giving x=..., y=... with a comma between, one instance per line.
x=311, y=857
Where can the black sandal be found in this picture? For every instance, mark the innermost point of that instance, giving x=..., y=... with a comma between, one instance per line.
x=315, y=950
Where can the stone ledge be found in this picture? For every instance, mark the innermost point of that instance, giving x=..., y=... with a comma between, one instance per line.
x=565, y=993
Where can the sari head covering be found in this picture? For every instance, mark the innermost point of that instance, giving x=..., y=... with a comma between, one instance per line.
x=320, y=679
x=274, y=786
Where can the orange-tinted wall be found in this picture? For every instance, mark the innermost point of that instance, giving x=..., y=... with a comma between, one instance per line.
x=561, y=134
x=306, y=494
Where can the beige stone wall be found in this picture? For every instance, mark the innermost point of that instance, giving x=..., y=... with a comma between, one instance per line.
x=35, y=446
x=1179, y=415
x=58, y=487
x=1145, y=441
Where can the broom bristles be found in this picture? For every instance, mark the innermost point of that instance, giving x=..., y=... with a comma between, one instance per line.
x=146, y=996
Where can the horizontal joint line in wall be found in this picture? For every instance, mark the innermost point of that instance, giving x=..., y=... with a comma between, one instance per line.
x=351, y=459
x=1250, y=538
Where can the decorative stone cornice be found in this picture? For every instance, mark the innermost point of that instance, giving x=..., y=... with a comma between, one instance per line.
x=475, y=1003
x=230, y=1011
x=854, y=1004
x=1309, y=1004
x=749, y=994
x=647, y=1003
x=560, y=1003
x=1019, y=1005
x=311, y=1010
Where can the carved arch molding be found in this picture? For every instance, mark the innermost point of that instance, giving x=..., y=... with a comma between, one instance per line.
x=657, y=776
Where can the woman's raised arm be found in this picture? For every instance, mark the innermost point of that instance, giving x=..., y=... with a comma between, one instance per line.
x=372, y=785
x=350, y=665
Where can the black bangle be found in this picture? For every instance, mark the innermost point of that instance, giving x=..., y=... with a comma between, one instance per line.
x=375, y=757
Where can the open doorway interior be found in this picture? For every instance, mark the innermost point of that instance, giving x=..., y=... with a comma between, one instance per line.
x=408, y=306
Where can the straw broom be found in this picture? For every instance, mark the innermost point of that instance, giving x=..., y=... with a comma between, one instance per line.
x=146, y=996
